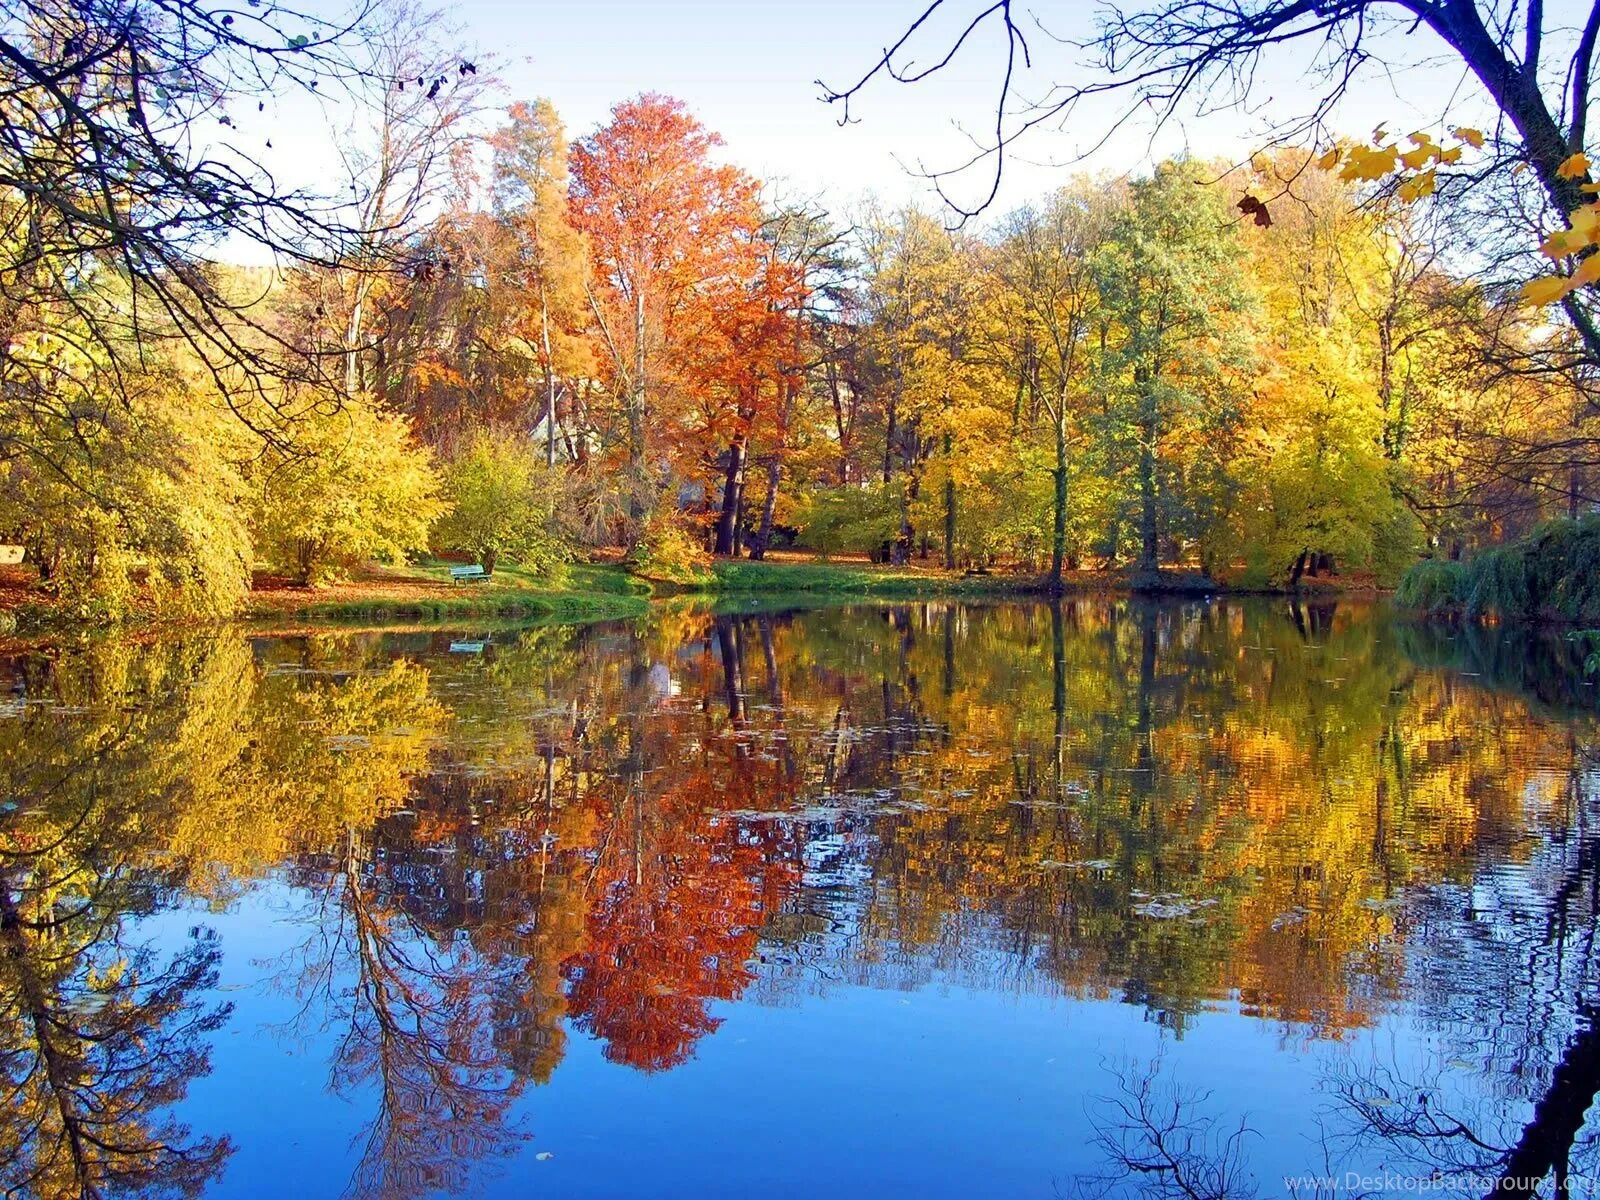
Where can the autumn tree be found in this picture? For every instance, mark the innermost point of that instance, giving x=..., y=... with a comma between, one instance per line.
x=1156, y=58
x=925, y=305
x=547, y=263
x=353, y=485
x=500, y=501
x=739, y=368
x=664, y=223
x=1170, y=286
x=401, y=155
x=816, y=261
x=1044, y=260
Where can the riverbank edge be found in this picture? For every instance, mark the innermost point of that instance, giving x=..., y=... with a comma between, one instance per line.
x=609, y=592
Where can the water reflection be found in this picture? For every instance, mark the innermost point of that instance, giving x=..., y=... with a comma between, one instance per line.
x=612, y=832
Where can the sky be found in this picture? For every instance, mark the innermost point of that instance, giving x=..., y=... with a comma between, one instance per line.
x=749, y=69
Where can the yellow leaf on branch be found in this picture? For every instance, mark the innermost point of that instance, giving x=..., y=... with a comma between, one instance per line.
x=1418, y=186
x=1472, y=137
x=1369, y=164
x=1545, y=290
x=1562, y=243
x=1586, y=220
x=1575, y=167
x=1588, y=272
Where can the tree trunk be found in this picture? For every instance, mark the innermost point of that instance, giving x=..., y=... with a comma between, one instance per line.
x=949, y=511
x=1058, y=539
x=1149, y=545
x=1299, y=570
x=1558, y=1118
x=549, y=381
x=758, y=548
x=1515, y=89
x=636, y=417
x=732, y=486
x=900, y=552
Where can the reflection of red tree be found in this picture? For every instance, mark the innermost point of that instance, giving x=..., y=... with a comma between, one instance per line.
x=682, y=897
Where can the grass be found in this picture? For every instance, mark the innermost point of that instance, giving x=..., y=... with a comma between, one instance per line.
x=425, y=592
x=736, y=576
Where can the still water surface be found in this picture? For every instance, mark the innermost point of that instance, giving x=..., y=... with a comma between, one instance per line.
x=928, y=900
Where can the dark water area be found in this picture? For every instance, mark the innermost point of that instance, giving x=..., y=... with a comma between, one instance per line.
x=931, y=900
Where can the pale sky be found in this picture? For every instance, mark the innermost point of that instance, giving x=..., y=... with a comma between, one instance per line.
x=747, y=68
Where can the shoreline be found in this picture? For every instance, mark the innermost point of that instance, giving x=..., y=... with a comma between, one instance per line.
x=423, y=596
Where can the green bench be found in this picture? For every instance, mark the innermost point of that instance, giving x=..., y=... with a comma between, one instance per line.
x=458, y=574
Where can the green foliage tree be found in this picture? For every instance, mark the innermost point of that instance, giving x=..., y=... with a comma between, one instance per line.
x=1171, y=291
x=502, y=503
x=1045, y=261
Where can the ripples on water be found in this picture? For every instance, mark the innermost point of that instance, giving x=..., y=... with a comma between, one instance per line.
x=925, y=900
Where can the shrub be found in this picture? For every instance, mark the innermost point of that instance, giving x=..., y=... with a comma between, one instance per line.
x=352, y=486
x=859, y=518
x=1563, y=569
x=1552, y=574
x=140, y=511
x=1497, y=585
x=668, y=551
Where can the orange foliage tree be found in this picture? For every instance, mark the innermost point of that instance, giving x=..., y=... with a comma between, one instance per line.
x=670, y=231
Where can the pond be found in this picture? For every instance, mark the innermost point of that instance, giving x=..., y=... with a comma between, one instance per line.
x=928, y=900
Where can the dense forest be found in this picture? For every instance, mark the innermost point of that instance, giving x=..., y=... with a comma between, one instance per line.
x=500, y=344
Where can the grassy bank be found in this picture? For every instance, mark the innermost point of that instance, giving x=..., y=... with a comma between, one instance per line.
x=423, y=593
x=426, y=593
x=733, y=577
x=810, y=577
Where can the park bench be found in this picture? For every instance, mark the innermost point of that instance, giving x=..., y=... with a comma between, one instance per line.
x=457, y=574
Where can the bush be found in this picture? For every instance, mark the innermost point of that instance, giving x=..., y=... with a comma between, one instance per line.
x=1563, y=569
x=668, y=551
x=140, y=511
x=1497, y=585
x=353, y=485
x=860, y=518
x=1433, y=586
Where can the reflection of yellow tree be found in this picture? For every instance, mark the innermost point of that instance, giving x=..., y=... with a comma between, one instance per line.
x=321, y=755
x=1178, y=805
x=100, y=1035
